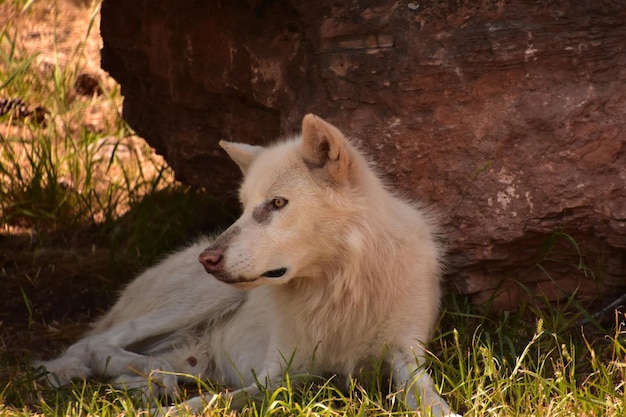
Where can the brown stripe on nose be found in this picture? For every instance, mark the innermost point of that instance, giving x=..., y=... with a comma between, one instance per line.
x=262, y=213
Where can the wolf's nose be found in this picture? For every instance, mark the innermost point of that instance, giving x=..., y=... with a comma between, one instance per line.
x=212, y=260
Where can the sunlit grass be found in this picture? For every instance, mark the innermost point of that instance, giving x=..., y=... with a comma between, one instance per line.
x=534, y=362
x=502, y=365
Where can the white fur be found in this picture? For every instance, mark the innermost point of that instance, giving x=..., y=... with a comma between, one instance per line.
x=343, y=273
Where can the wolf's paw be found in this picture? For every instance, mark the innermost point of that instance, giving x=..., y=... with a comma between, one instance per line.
x=163, y=412
x=155, y=385
x=61, y=371
x=195, y=405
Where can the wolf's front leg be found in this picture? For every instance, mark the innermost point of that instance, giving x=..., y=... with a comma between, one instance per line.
x=238, y=398
x=416, y=382
x=152, y=377
x=73, y=364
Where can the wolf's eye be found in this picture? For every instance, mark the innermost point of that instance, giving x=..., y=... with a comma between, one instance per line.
x=279, y=202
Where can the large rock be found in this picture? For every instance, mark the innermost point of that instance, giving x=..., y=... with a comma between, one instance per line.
x=508, y=118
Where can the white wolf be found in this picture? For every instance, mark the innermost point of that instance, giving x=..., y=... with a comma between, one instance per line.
x=325, y=270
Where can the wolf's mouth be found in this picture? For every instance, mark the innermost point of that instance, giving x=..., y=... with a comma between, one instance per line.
x=275, y=273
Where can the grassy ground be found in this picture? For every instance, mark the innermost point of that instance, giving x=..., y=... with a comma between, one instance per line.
x=84, y=204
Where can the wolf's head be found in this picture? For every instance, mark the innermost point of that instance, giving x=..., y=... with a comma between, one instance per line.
x=297, y=197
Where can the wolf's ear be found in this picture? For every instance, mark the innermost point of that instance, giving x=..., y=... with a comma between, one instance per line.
x=325, y=150
x=243, y=154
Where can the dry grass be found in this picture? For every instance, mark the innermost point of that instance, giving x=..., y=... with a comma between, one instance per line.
x=75, y=144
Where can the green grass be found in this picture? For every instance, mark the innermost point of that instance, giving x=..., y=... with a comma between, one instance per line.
x=63, y=176
x=535, y=362
x=504, y=365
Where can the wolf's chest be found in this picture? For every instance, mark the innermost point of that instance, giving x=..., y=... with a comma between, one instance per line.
x=331, y=340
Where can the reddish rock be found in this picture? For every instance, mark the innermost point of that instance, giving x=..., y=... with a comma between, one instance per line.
x=508, y=118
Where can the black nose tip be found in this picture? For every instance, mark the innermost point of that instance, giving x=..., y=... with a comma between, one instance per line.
x=275, y=273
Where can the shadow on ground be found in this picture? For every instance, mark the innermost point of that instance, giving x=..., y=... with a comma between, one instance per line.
x=53, y=284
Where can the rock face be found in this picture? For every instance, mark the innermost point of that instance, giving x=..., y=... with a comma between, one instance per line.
x=508, y=118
